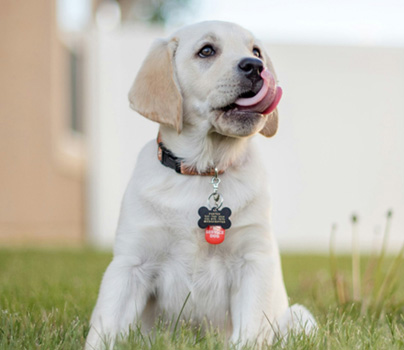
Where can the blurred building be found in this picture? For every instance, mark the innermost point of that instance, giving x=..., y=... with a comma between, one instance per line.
x=41, y=150
x=44, y=99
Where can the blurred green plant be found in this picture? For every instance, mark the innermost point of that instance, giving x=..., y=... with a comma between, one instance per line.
x=377, y=285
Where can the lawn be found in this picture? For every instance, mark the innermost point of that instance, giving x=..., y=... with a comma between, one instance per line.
x=46, y=298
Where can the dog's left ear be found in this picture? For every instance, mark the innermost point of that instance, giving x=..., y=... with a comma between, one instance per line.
x=271, y=126
x=155, y=93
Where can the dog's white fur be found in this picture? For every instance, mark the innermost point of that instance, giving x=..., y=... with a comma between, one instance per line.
x=160, y=254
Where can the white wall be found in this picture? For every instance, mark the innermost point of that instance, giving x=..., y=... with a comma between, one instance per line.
x=339, y=148
x=115, y=132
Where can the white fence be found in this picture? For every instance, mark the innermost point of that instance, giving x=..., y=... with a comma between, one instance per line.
x=339, y=149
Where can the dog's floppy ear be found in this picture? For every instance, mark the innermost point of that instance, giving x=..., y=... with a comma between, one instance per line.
x=155, y=93
x=271, y=126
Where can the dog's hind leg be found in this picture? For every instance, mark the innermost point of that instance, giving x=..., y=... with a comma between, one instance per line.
x=123, y=296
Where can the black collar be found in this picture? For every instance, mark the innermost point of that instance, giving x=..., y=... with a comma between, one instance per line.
x=168, y=159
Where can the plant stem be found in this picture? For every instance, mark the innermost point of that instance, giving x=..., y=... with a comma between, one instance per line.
x=356, y=284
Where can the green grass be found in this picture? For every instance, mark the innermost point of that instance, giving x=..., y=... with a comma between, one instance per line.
x=46, y=298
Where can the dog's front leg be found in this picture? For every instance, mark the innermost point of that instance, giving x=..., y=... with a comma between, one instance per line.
x=256, y=301
x=122, y=298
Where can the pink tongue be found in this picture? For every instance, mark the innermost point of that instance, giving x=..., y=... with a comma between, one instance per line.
x=266, y=100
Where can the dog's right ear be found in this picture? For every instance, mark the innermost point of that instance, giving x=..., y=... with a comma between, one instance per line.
x=155, y=93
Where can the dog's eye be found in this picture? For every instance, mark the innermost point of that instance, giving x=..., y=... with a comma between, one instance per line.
x=206, y=51
x=256, y=52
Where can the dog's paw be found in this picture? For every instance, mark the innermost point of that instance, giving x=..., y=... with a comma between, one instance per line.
x=97, y=341
x=296, y=319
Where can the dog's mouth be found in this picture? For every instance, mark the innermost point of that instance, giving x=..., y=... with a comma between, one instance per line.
x=263, y=102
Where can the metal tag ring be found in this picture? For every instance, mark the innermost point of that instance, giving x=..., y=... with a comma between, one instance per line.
x=218, y=201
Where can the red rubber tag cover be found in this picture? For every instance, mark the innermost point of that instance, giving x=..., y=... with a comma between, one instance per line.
x=214, y=234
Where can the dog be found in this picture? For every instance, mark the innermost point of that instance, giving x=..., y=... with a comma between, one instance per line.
x=211, y=87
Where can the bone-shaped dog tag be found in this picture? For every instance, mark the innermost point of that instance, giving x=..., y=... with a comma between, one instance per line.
x=214, y=221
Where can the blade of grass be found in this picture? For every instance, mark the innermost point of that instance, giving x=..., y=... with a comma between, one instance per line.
x=368, y=282
x=340, y=298
x=378, y=272
x=388, y=281
x=179, y=315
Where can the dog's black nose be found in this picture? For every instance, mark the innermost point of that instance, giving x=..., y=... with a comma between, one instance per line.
x=251, y=68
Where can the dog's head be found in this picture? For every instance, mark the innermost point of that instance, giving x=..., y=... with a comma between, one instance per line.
x=214, y=74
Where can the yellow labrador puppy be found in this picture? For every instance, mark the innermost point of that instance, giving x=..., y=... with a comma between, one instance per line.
x=211, y=87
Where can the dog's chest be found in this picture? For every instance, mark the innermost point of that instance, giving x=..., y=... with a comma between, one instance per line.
x=204, y=275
